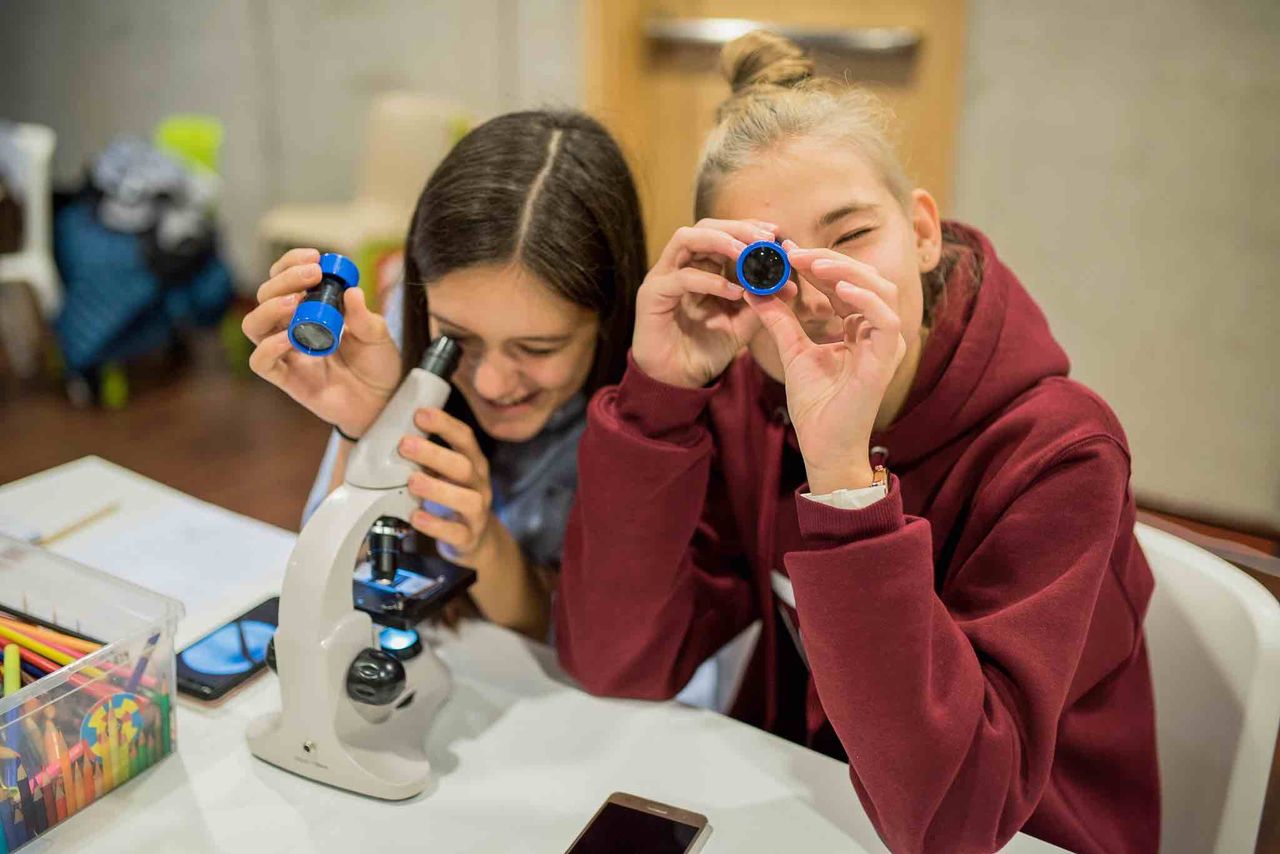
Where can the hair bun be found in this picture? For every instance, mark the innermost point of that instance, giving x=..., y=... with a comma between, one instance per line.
x=762, y=58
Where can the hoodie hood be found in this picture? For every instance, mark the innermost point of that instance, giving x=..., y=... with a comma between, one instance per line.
x=989, y=344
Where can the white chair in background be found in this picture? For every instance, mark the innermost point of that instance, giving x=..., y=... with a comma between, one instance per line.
x=1214, y=638
x=408, y=135
x=33, y=262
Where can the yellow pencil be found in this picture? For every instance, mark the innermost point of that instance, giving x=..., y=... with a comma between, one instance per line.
x=122, y=750
x=109, y=751
x=12, y=669
x=54, y=655
x=75, y=799
x=70, y=529
x=41, y=633
x=56, y=747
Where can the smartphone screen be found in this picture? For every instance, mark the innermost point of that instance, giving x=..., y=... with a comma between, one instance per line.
x=230, y=655
x=618, y=829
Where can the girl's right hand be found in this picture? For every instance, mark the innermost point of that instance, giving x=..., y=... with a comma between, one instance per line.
x=691, y=322
x=347, y=388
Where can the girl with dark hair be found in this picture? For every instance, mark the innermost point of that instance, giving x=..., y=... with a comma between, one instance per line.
x=527, y=248
x=931, y=522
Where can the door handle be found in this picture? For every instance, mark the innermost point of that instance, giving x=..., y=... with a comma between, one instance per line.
x=718, y=31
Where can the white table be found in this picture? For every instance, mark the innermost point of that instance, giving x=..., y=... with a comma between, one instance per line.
x=522, y=757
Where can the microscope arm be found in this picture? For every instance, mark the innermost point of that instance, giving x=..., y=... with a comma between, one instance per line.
x=320, y=731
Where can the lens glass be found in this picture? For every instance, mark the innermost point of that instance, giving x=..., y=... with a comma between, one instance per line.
x=763, y=267
x=313, y=336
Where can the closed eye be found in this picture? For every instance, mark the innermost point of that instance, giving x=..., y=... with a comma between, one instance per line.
x=852, y=235
x=538, y=351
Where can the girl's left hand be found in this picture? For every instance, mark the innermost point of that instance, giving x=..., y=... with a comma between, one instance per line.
x=835, y=390
x=456, y=478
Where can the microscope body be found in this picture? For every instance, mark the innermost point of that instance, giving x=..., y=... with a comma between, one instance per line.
x=374, y=746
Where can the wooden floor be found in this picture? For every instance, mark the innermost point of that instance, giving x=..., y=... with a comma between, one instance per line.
x=234, y=441
x=237, y=442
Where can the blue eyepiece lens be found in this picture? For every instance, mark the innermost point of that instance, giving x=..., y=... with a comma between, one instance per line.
x=763, y=268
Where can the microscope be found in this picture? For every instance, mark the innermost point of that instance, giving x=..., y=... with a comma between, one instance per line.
x=354, y=710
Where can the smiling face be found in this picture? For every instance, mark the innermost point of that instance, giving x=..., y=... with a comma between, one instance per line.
x=824, y=194
x=525, y=350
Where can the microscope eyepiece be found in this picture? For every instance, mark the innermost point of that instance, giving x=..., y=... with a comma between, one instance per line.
x=442, y=357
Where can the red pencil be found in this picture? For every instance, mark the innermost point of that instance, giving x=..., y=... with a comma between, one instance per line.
x=50, y=807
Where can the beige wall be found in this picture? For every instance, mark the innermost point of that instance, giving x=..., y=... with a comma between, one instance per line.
x=1125, y=157
x=1122, y=156
x=291, y=79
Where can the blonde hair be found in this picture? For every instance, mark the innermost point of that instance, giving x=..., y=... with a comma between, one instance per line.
x=776, y=98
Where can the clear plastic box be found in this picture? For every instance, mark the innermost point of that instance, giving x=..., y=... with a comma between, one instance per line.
x=96, y=723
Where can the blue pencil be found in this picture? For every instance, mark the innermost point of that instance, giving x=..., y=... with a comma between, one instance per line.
x=142, y=663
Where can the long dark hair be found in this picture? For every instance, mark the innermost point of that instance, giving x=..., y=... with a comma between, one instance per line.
x=550, y=190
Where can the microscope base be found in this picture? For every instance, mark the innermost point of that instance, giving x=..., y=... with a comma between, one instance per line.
x=367, y=749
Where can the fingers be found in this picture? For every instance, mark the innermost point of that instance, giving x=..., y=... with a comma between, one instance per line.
x=782, y=325
x=445, y=462
x=746, y=230
x=879, y=323
x=691, y=241
x=690, y=280
x=289, y=281
x=269, y=318
x=267, y=359
x=293, y=258
x=466, y=502
x=364, y=324
x=442, y=530
x=824, y=268
x=723, y=237
x=459, y=435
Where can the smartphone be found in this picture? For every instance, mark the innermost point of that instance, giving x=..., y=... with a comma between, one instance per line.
x=230, y=655
x=630, y=824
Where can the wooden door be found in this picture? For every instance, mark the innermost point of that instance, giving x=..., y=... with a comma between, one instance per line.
x=652, y=77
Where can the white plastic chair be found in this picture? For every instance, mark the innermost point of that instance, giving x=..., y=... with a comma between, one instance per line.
x=409, y=134
x=1214, y=639
x=33, y=263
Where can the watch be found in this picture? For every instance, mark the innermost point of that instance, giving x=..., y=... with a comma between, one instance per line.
x=880, y=478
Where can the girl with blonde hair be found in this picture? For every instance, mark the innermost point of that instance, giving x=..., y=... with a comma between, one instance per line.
x=887, y=465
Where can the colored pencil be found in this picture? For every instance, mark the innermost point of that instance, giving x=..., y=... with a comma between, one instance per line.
x=29, y=811
x=122, y=751
x=68, y=530
x=150, y=647
x=76, y=794
x=45, y=650
x=8, y=826
x=56, y=749
x=41, y=816
x=59, y=800
x=52, y=644
x=68, y=642
x=12, y=672
x=166, y=740
x=21, y=827
x=90, y=790
x=12, y=685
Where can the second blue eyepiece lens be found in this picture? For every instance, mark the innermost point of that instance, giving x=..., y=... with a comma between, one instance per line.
x=316, y=328
x=763, y=268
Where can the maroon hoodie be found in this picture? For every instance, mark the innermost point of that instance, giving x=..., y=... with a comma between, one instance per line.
x=974, y=640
